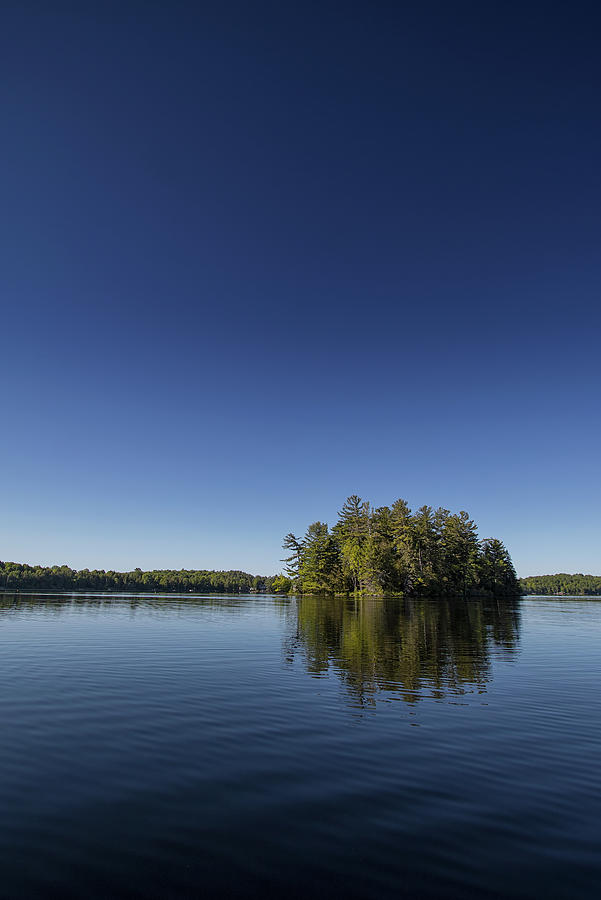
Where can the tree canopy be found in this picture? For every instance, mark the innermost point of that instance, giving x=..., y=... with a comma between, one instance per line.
x=394, y=550
x=19, y=576
x=562, y=583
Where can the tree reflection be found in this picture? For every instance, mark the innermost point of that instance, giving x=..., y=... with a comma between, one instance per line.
x=412, y=647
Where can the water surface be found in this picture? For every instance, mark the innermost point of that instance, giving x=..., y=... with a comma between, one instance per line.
x=266, y=746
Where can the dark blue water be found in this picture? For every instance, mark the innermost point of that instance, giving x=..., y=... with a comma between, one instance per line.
x=261, y=746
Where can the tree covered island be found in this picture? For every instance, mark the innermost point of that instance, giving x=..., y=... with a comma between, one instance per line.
x=390, y=549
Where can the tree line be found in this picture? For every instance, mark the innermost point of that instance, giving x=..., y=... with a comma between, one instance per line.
x=562, y=583
x=19, y=576
x=390, y=549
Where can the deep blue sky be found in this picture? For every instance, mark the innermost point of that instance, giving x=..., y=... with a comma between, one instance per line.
x=256, y=257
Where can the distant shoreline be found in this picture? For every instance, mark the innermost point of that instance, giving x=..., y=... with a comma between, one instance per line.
x=190, y=595
x=21, y=577
x=561, y=584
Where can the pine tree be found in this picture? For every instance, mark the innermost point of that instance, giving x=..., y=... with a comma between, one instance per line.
x=424, y=550
x=401, y=532
x=352, y=531
x=459, y=554
x=496, y=573
x=292, y=562
x=319, y=570
x=429, y=552
x=379, y=572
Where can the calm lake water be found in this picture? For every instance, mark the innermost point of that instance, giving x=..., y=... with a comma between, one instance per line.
x=261, y=746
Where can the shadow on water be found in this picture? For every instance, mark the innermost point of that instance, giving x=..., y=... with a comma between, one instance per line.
x=416, y=648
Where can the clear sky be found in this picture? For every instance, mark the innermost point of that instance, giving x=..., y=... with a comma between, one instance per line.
x=258, y=256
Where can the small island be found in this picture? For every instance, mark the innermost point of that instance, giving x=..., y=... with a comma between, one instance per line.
x=392, y=550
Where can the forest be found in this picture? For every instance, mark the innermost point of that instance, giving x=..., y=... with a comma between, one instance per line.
x=392, y=550
x=562, y=583
x=18, y=576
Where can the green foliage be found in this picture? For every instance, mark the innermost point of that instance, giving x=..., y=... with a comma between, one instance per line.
x=292, y=562
x=584, y=585
x=369, y=551
x=497, y=575
x=392, y=550
x=459, y=552
x=281, y=584
x=352, y=534
x=17, y=576
x=319, y=569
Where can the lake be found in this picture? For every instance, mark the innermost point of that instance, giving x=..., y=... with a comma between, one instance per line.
x=266, y=746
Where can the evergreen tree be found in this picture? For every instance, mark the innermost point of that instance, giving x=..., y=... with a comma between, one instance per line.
x=379, y=573
x=352, y=531
x=319, y=569
x=424, y=542
x=496, y=574
x=459, y=546
x=402, y=538
x=292, y=562
x=390, y=549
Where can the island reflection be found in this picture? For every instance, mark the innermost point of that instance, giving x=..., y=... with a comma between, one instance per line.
x=409, y=648
x=413, y=648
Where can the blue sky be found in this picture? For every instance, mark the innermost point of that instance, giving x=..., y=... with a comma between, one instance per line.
x=257, y=257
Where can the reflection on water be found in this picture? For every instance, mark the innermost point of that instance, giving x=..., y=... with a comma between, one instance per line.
x=415, y=648
x=265, y=746
x=410, y=647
